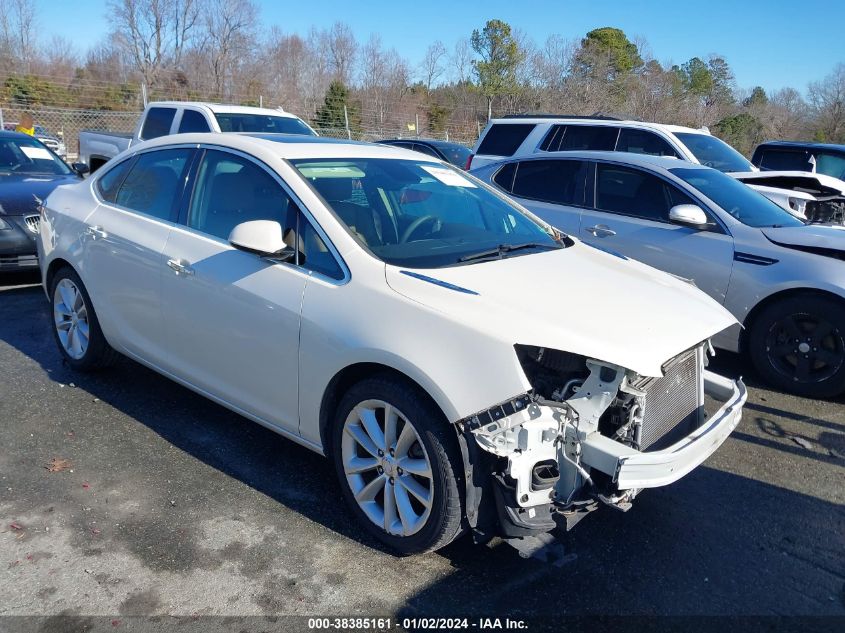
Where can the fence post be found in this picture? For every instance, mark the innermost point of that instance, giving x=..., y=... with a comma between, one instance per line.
x=447, y=135
x=417, y=124
x=1, y=119
x=261, y=105
x=346, y=122
x=144, y=93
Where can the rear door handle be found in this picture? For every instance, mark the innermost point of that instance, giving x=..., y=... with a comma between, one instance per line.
x=97, y=232
x=601, y=230
x=180, y=266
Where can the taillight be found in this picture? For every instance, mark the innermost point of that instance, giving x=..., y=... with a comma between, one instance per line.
x=469, y=162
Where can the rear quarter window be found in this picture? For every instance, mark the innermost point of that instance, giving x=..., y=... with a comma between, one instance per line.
x=503, y=139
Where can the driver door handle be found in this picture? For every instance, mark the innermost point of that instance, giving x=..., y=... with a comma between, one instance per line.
x=180, y=266
x=601, y=230
x=96, y=232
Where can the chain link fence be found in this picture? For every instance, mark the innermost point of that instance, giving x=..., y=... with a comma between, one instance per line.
x=64, y=125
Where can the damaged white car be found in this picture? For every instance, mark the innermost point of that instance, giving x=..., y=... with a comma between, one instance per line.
x=465, y=366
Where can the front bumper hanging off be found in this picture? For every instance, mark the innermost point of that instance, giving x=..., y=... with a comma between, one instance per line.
x=632, y=469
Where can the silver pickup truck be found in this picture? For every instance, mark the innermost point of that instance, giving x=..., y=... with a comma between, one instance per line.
x=174, y=117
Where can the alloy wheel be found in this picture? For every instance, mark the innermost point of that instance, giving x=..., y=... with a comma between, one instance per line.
x=805, y=347
x=387, y=467
x=70, y=316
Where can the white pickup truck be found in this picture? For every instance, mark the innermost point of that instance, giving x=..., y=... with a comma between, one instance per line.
x=174, y=117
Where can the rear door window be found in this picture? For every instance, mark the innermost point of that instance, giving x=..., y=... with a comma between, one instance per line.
x=589, y=137
x=555, y=181
x=155, y=182
x=504, y=177
x=193, y=121
x=158, y=122
x=109, y=183
x=643, y=142
x=785, y=160
x=503, y=139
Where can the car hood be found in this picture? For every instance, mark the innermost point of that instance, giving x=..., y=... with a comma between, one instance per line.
x=578, y=299
x=822, y=236
x=18, y=192
x=817, y=184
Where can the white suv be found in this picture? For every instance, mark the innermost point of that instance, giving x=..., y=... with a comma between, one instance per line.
x=520, y=135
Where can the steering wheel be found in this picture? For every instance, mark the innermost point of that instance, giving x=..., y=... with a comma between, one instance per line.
x=416, y=224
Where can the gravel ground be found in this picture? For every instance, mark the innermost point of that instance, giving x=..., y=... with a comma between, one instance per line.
x=170, y=505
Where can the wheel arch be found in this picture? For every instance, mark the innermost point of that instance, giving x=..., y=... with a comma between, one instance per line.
x=54, y=267
x=781, y=295
x=350, y=375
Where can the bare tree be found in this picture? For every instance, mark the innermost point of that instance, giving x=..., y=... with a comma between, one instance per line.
x=228, y=37
x=17, y=35
x=153, y=33
x=343, y=48
x=462, y=60
x=433, y=63
x=827, y=98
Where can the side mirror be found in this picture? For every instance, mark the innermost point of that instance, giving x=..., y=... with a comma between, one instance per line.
x=688, y=214
x=81, y=168
x=262, y=237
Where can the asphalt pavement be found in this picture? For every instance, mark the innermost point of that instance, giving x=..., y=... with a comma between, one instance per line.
x=123, y=494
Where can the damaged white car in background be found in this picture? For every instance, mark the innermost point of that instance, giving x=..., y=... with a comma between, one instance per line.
x=464, y=365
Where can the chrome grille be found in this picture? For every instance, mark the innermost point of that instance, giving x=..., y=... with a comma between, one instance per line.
x=33, y=223
x=674, y=403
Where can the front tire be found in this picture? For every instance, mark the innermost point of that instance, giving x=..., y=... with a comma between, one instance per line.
x=76, y=329
x=398, y=464
x=798, y=345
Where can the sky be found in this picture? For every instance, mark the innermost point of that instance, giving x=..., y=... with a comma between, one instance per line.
x=771, y=43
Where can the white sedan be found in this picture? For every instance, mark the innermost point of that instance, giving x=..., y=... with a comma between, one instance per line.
x=463, y=364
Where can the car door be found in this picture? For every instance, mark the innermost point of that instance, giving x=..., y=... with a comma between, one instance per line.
x=124, y=243
x=553, y=188
x=630, y=216
x=232, y=318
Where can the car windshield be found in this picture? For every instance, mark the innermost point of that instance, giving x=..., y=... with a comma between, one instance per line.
x=713, y=152
x=455, y=154
x=262, y=123
x=738, y=200
x=424, y=215
x=29, y=156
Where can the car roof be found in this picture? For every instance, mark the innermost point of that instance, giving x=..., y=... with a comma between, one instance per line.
x=642, y=160
x=222, y=108
x=291, y=146
x=425, y=141
x=603, y=122
x=11, y=134
x=803, y=144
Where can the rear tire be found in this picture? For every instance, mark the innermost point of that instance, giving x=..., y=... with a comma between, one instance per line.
x=399, y=465
x=798, y=345
x=76, y=329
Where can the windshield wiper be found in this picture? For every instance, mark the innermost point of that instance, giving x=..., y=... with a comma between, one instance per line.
x=502, y=249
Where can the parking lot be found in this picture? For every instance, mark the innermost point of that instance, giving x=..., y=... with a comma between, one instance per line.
x=170, y=504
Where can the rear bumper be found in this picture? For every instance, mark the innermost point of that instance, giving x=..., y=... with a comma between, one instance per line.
x=633, y=470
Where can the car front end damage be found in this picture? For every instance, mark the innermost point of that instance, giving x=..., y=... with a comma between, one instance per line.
x=590, y=433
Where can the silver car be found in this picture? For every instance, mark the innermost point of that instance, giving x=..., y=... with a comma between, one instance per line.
x=782, y=279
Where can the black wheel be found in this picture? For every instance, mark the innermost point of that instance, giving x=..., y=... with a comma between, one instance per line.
x=798, y=345
x=75, y=327
x=399, y=465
